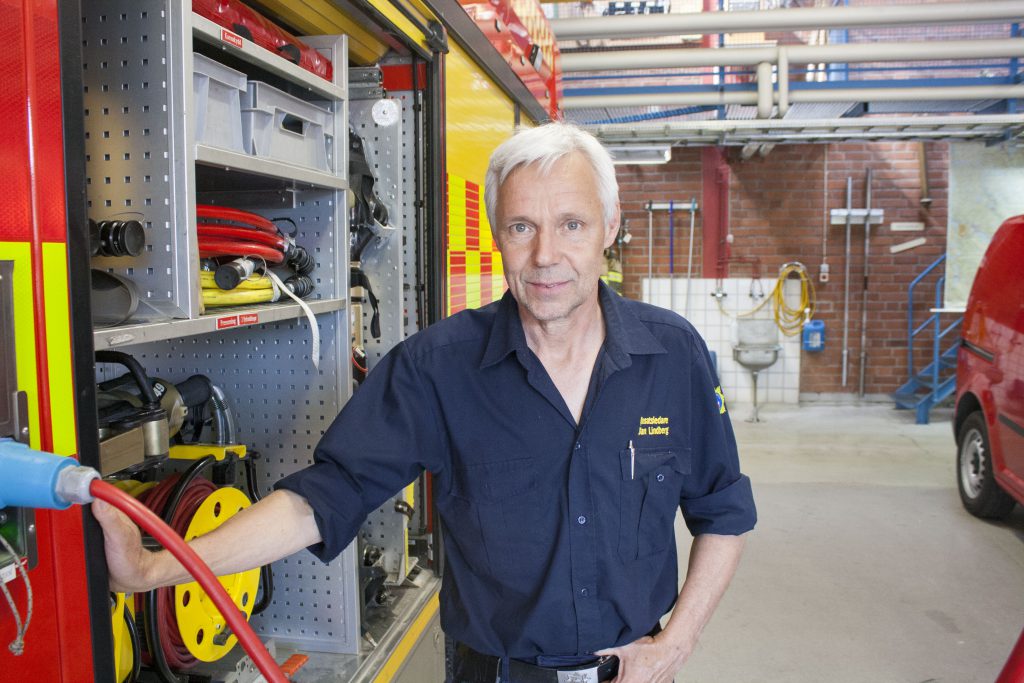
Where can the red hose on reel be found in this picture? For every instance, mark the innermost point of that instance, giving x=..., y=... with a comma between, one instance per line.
x=228, y=215
x=175, y=651
x=211, y=247
x=156, y=528
x=232, y=232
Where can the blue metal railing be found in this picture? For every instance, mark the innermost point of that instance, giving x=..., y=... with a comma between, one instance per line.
x=932, y=319
x=938, y=332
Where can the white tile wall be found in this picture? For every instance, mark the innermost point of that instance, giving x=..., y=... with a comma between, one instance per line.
x=778, y=384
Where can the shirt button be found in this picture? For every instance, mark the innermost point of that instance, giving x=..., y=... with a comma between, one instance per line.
x=581, y=519
x=661, y=477
x=579, y=446
x=584, y=592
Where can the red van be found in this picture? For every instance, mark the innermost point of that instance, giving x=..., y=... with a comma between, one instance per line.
x=989, y=421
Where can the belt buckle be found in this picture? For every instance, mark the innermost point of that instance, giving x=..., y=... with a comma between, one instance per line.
x=584, y=676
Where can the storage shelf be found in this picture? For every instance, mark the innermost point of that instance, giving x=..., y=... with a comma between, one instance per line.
x=221, y=320
x=225, y=158
x=210, y=32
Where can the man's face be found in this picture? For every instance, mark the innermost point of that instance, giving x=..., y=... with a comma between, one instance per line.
x=552, y=236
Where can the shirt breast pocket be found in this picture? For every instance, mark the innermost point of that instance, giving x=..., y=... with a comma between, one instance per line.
x=651, y=486
x=502, y=505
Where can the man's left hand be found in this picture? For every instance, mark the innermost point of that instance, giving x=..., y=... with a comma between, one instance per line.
x=648, y=660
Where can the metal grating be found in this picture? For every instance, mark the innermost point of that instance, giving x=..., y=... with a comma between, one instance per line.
x=984, y=128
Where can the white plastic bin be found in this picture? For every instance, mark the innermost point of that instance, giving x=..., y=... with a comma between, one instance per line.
x=217, y=92
x=281, y=127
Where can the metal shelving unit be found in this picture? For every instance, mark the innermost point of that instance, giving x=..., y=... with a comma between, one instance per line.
x=244, y=163
x=142, y=157
x=213, y=34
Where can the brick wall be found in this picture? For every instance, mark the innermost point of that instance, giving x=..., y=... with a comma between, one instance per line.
x=778, y=209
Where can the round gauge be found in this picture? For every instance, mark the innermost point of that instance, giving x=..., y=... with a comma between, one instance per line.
x=386, y=112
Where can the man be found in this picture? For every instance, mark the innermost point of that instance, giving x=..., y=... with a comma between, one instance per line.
x=564, y=426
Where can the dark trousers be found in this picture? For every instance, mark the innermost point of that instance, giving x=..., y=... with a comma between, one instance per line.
x=464, y=665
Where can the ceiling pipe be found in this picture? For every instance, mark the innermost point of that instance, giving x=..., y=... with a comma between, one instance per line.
x=645, y=25
x=783, y=81
x=692, y=99
x=765, y=92
x=750, y=97
x=675, y=57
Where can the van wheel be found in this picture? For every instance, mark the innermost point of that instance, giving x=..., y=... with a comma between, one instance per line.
x=979, y=491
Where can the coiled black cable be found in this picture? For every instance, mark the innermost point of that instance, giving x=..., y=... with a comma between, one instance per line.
x=133, y=638
x=156, y=650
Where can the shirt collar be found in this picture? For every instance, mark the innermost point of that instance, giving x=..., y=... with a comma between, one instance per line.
x=625, y=334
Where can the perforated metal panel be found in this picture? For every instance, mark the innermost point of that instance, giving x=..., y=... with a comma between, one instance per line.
x=138, y=76
x=409, y=99
x=137, y=163
x=382, y=258
x=382, y=262
x=283, y=405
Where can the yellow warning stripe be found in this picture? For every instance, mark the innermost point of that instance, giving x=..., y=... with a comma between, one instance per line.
x=410, y=639
x=24, y=329
x=58, y=348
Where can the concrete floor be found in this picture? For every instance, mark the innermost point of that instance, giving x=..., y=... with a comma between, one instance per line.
x=864, y=565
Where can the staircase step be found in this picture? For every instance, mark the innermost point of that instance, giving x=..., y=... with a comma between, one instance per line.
x=908, y=400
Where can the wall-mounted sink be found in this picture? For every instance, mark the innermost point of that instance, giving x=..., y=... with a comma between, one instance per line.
x=757, y=349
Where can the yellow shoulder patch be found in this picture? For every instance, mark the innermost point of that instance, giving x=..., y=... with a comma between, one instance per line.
x=720, y=397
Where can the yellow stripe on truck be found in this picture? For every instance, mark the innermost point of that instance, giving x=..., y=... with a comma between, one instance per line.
x=405, y=646
x=24, y=330
x=58, y=348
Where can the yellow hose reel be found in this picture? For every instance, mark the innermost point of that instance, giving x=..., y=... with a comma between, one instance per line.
x=124, y=657
x=203, y=629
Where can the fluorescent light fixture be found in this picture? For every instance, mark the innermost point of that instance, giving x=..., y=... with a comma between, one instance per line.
x=640, y=154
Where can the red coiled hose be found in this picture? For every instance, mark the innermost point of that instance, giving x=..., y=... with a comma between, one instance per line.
x=156, y=528
x=229, y=215
x=210, y=247
x=175, y=650
x=234, y=232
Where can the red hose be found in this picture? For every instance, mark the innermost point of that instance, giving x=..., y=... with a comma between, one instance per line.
x=156, y=528
x=234, y=232
x=175, y=651
x=210, y=247
x=225, y=213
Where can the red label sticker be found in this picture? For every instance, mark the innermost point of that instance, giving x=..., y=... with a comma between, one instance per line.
x=227, y=322
x=249, y=319
x=232, y=38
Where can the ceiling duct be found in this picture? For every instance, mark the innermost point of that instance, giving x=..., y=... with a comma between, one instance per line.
x=647, y=25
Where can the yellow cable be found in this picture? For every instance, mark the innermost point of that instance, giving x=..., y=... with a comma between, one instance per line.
x=218, y=297
x=789, y=320
x=207, y=281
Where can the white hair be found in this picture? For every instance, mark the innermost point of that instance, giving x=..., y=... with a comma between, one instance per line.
x=544, y=145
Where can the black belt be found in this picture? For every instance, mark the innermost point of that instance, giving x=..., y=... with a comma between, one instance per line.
x=474, y=667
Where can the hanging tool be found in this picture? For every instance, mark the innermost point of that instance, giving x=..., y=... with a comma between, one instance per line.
x=864, y=291
x=650, y=251
x=823, y=272
x=689, y=257
x=669, y=206
x=671, y=256
x=846, y=277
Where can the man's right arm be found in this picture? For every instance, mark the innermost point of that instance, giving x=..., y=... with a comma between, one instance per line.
x=279, y=525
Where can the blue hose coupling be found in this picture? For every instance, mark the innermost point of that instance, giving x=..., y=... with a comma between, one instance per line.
x=33, y=479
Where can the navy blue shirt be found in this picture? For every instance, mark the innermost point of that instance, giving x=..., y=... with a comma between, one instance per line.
x=559, y=540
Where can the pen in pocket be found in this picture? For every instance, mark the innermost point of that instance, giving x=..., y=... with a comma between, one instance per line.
x=632, y=460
